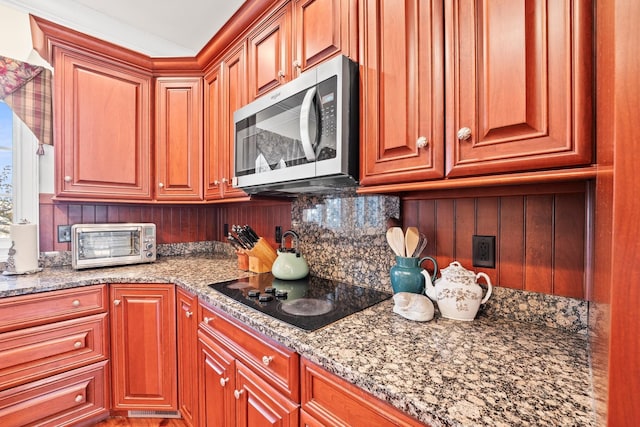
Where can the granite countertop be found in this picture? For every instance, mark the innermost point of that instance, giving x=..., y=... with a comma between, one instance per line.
x=489, y=372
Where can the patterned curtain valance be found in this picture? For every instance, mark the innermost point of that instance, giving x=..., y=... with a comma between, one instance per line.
x=26, y=89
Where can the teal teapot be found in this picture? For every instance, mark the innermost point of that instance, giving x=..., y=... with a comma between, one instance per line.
x=290, y=264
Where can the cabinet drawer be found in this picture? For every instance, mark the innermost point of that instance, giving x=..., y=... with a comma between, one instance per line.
x=36, y=309
x=275, y=363
x=66, y=399
x=33, y=353
x=329, y=400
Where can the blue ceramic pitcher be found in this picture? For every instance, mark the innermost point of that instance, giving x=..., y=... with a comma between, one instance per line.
x=406, y=275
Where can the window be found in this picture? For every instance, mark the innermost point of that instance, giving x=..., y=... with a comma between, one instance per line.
x=18, y=175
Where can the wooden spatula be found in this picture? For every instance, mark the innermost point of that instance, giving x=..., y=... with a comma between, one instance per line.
x=395, y=238
x=411, y=240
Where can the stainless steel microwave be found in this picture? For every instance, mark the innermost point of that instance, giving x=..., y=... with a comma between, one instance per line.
x=102, y=245
x=303, y=136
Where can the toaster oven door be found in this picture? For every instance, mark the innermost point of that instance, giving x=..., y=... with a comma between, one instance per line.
x=103, y=246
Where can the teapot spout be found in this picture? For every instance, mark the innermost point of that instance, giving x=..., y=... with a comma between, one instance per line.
x=429, y=287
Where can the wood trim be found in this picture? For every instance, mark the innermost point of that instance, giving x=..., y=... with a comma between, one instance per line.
x=46, y=34
x=523, y=178
x=239, y=23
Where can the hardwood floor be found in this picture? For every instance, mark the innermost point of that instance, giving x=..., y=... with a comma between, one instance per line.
x=141, y=422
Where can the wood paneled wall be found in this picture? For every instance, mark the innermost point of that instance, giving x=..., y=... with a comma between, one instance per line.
x=541, y=237
x=175, y=223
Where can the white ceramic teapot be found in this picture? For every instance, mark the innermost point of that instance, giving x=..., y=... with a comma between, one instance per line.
x=457, y=292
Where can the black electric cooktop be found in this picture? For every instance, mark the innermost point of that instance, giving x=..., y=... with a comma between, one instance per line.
x=308, y=304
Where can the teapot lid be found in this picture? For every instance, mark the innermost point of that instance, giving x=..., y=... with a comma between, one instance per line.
x=455, y=271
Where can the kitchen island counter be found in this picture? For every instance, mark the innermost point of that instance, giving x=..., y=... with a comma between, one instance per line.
x=489, y=372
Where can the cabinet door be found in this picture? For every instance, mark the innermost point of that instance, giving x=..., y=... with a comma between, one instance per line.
x=216, y=370
x=187, y=356
x=518, y=85
x=234, y=96
x=143, y=347
x=402, y=130
x=179, y=142
x=213, y=131
x=259, y=404
x=102, y=129
x=270, y=54
x=322, y=29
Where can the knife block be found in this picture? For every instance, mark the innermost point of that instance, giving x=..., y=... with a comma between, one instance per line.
x=243, y=261
x=261, y=256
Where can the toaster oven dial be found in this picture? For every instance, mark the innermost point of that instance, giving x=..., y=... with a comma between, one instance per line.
x=148, y=246
x=149, y=254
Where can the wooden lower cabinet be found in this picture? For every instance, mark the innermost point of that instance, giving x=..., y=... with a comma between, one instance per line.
x=330, y=400
x=216, y=369
x=143, y=347
x=234, y=390
x=54, y=348
x=187, y=329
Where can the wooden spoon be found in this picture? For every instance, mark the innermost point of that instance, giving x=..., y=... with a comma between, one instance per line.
x=395, y=238
x=411, y=240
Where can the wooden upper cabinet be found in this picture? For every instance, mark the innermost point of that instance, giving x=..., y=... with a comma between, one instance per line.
x=179, y=141
x=402, y=111
x=297, y=36
x=225, y=92
x=321, y=30
x=102, y=128
x=213, y=133
x=234, y=96
x=518, y=86
x=269, y=54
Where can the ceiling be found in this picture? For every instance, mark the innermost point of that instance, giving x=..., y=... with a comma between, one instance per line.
x=157, y=28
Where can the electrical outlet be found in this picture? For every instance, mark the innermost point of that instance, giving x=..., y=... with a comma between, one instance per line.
x=64, y=233
x=484, y=251
x=278, y=234
x=225, y=230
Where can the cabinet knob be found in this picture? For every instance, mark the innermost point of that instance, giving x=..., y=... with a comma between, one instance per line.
x=224, y=381
x=79, y=398
x=422, y=142
x=75, y=303
x=266, y=360
x=216, y=182
x=77, y=344
x=188, y=313
x=161, y=185
x=281, y=74
x=237, y=393
x=206, y=320
x=225, y=180
x=116, y=302
x=67, y=178
x=297, y=64
x=464, y=133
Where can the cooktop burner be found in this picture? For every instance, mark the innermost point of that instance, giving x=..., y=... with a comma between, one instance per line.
x=309, y=303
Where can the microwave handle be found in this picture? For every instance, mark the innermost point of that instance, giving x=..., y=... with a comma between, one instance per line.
x=305, y=111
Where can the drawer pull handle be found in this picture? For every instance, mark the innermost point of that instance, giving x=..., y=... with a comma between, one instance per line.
x=116, y=302
x=267, y=360
x=224, y=381
x=79, y=398
x=75, y=303
x=188, y=314
x=206, y=320
x=77, y=344
x=237, y=393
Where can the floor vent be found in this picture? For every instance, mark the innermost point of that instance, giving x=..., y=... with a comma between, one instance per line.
x=154, y=414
